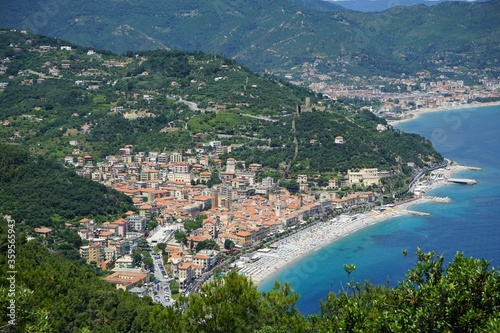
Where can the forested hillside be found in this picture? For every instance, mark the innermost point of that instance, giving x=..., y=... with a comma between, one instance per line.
x=363, y=144
x=454, y=33
x=279, y=36
x=53, y=294
x=65, y=100
x=39, y=191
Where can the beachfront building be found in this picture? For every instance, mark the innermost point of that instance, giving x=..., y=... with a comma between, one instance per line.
x=364, y=177
x=206, y=258
x=244, y=238
x=353, y=200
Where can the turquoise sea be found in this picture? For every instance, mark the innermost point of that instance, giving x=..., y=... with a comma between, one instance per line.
x=469, y=224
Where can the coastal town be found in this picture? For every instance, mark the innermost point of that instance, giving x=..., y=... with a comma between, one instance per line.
x=397, y=97
x=169, y=188
x=291, y=166
x=238, y=208
x=253, y=226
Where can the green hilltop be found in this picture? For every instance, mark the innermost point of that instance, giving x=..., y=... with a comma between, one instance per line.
x=64, y=99
x=38, y=191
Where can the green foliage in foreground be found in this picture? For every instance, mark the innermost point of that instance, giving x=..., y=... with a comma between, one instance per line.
x=53, y=294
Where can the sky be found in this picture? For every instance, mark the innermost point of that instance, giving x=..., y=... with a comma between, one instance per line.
x=380, y=5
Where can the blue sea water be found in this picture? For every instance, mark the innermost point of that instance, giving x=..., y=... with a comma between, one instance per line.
x=469, y=224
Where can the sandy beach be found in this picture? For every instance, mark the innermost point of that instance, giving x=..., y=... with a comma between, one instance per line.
x=298, y=245
x=302, y=243
x=310, y=239
x=414, y=114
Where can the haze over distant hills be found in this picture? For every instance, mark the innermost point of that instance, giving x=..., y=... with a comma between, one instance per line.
x=279, y=36
x=380, y=5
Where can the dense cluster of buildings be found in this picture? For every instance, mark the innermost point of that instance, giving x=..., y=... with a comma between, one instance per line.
x=404, y=93
x=170, y=188
x=412, y=94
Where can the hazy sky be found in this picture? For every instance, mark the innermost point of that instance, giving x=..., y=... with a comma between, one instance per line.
x=379, y=5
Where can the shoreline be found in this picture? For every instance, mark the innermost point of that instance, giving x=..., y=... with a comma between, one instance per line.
x=296, y=247
x=301, y=244
x=415, y=114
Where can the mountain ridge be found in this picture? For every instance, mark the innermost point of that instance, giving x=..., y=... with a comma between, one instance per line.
x=277, y=37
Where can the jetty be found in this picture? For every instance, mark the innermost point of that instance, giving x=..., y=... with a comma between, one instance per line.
x=414, y=212
x=462, y=181
x=438, y=199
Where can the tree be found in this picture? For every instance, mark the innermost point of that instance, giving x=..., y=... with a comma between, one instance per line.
x=180, y=236
x=459, y=298
x=228, y=244
x=291, y=186
x=230, y=304
x=192, y=224
x=207, y=244
x=143, y=245
x=214, y=179
x=174, y=287
x=151, y=224
x=136, y=256
x=197, y=222
x=148, y=261
x=279, y=309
